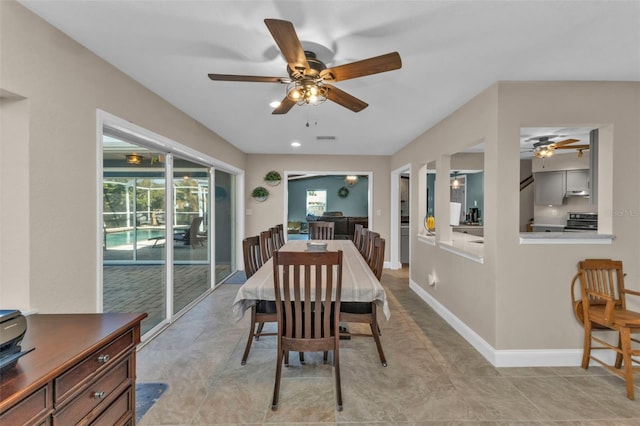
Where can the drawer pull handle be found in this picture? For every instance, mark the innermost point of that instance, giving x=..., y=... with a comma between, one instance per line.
x=103, y=358
x=99, y=395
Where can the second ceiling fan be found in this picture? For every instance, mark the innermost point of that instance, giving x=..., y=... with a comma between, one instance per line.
x=545, y=148
x=309, y=78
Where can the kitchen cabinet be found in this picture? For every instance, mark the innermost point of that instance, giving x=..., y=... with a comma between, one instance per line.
x=546, y=228
x=476, y=230
x=550, y=188
x=404, y=244
x=578, y=182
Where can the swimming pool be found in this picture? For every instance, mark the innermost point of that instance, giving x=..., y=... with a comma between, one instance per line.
x=126, y=237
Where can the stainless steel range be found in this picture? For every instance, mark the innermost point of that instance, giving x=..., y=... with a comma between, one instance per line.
x=582, y=222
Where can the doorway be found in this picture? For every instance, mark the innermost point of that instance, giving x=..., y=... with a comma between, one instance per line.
x=400, y=222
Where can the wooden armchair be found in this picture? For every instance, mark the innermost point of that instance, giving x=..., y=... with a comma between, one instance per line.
x=602, y=305
x=308, y=323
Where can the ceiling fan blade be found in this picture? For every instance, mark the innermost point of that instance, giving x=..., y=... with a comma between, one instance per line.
x=346, y=100
x=287, y=40
x=250, y=78
x=375, y=65
x=285, y=105
x=563, y=143
x=573, y=147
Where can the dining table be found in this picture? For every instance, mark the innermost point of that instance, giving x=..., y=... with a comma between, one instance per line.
x=359, y=283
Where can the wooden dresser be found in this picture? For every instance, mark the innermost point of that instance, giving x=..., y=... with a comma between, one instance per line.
x=82, y=371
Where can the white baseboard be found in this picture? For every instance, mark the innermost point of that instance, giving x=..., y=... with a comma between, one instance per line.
x=392, y=265
x=504, y=358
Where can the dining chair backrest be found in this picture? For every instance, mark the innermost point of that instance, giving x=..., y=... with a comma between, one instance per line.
x=251, y=255
x=368, y=254
x=275, y=238
x=266, y=246
x=364, y=242
x=377, y=260
x=308, y=288
x=280, y=227
x=321, y=230
x=357, y=234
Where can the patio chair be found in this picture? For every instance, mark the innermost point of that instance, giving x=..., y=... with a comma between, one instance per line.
x=190, y=236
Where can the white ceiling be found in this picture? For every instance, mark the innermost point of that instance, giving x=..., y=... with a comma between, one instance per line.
x=450, y=50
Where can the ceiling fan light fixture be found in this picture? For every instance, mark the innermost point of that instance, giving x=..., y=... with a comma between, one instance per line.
x=307, y=92
x=544, y=152
x=351, y=180
x=134, y=159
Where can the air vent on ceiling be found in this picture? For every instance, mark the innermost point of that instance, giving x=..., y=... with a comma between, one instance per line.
x=325, y=138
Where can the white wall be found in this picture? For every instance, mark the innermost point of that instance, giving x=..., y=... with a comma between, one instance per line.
x=519, y=298
x=64, y=85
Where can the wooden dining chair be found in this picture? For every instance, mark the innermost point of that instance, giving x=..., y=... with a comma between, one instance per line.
x=321, y=230
x=281, y=237
x=266, y=246
x=357, y=234
x=275, y=238
x=365, y=312
x=307, y=323
x=377, y=258
x=251, y=255
x=263, y=311
x=602, y=306
x=364, y=243
x=368, y=255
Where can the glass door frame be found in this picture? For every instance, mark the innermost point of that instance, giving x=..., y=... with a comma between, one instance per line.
x=158, y=142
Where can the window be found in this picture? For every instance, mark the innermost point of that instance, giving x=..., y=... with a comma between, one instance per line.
x=316, y=202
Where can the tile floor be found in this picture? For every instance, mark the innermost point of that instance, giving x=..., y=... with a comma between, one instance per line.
x=434, y=377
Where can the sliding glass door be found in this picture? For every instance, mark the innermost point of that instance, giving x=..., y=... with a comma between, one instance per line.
x=133, y=206
x=167, y=236
x=191, y=219
x=225, y=224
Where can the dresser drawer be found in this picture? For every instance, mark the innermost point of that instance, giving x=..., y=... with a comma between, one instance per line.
x=97, y=395
x=30, y=410
x=70, y=381
x=120, y=412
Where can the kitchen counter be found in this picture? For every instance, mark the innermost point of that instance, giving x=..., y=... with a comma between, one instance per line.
x=585, y=237
x=465, y=245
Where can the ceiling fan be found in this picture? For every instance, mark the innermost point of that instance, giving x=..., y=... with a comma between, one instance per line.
x=545, y=147
x=309, y=78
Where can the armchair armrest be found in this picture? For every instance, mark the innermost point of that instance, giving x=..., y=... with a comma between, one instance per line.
x=631, y=292
x=609, y=307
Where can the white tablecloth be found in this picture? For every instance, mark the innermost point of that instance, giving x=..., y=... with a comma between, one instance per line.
x=359, y=284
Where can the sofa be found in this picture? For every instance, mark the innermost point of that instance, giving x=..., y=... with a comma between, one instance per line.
x=343, y=225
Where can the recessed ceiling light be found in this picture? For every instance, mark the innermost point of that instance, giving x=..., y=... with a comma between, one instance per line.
x=295, y=144
x=274, y=104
